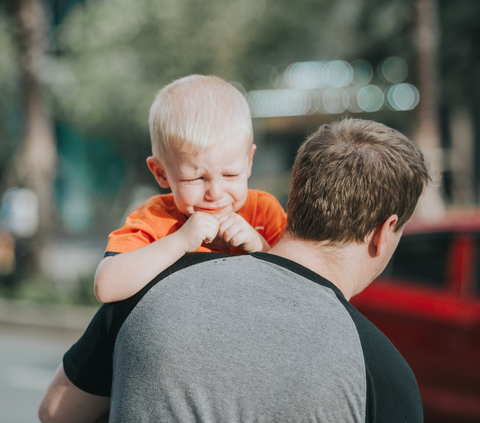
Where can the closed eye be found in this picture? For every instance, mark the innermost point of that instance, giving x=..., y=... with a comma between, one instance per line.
x=192, y=179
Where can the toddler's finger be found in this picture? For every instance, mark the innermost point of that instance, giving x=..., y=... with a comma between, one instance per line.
x=225, y=217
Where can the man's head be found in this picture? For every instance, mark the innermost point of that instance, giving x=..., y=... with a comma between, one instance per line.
x=349, y=177
x=202, y=144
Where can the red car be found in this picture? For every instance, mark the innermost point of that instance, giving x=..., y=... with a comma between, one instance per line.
x=427, y=302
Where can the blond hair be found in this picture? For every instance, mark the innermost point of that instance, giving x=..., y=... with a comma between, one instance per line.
x=197, y=112
x=350, y=176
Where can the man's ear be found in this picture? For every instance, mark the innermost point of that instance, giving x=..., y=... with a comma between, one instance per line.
x=250, y=159
x=158, y=171
x=380, y=235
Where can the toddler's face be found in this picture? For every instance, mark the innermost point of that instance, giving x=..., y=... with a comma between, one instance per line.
x=214, y=181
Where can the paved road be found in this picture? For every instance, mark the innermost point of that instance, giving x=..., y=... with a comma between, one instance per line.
x=28, y=359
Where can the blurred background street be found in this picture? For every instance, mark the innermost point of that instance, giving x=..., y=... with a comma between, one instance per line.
x=28, y=363
x=77, y=79
x=33, y=340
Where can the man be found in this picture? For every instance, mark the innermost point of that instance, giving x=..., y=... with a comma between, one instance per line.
x=266, y=337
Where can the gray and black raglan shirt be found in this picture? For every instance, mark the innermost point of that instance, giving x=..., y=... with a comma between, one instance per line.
x=252, y=338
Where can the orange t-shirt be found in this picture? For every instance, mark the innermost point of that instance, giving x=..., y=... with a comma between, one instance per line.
x=159, y=217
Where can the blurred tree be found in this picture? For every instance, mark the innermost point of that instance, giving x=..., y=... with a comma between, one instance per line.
x=114, y=55
x=9, y=86
x=33, y=163
x=460, y=55
x=427, y=131
x=460, y=95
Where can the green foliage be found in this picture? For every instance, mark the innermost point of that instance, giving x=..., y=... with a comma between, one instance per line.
x=9, y=60
x=114, y=55
x=43, y=291
x=111, y=56
x=9, y=87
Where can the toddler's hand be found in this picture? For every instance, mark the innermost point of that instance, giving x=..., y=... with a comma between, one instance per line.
x=200, y=227
x=237, y=232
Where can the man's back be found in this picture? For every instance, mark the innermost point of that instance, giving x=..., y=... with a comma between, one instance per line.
x=254, y=338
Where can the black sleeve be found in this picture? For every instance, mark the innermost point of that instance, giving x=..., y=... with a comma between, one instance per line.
x=88, y=363
x=392, y=390
x=110, y=254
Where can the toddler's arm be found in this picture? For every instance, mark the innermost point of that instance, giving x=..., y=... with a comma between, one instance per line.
x=237, y=232
x=119, y=277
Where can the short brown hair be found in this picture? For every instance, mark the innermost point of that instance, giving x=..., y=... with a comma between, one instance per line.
x=350, y=176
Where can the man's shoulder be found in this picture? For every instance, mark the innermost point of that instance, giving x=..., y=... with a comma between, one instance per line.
x=192, y=259
x=198, y=267
x=121, y=309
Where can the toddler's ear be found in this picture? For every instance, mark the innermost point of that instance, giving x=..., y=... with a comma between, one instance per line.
x=250, y=159
x=158, y=171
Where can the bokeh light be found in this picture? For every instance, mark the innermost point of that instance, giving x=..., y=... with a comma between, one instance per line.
x=352, y=96
x=333, y=101
x=332, y=87
x=393, y=69
x=403, y=97
x=305, y=75
x=338, y=73
x=362, y=72
x=370, y=98
x=270, y=103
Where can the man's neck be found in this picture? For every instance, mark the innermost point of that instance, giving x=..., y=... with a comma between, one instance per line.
x=340, y=265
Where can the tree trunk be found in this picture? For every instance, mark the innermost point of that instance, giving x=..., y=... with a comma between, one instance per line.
x=462, y=157
x=427, y=133
x=36, y=160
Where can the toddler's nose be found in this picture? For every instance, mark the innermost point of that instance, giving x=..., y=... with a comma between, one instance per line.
x=214, y=191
